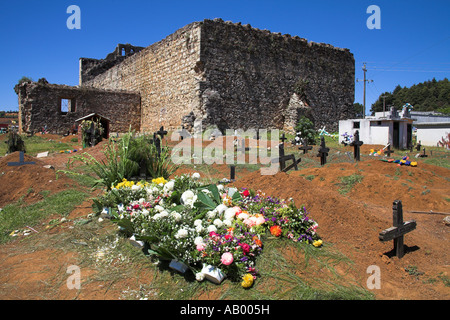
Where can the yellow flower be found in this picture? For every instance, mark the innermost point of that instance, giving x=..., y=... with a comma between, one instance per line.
x=317, y=243
x=159, y=180
x=247, y=280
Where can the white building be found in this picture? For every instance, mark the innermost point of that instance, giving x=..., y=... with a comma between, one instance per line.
x=430, y=127
x=383, y=128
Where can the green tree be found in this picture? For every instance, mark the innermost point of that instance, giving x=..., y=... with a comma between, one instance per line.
x=307, y=132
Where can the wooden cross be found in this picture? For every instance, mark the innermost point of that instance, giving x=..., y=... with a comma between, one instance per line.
x=283, y=138
x=399, y=229
x=21, y=161
x=232, y=173
x=161, y=132
x=282, y=158
x=356, y=145
x=323, y=151
x=388, y=151
x=305, y=146
x=418, y=146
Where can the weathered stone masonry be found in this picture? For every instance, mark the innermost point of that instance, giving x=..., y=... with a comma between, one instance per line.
x=227, y=75
x=40, y=106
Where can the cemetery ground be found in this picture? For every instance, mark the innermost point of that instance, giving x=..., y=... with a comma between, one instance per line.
x=46, y=225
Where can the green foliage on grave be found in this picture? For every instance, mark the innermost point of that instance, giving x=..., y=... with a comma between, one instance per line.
x=91, y=132
x=306, y=129
x=125, y=158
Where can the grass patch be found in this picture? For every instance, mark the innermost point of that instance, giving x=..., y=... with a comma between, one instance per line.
x=18, y=215
x=347, y=183
x=35, y=145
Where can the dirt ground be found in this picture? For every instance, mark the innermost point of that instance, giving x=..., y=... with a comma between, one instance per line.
x=350, y=222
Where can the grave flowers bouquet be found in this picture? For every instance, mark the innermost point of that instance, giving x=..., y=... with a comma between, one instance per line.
x=206, y=225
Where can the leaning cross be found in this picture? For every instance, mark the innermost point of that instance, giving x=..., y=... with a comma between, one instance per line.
x=21, y=161
x=323, y=151
x=399, y=229
x=388, y=151
x=356, y=145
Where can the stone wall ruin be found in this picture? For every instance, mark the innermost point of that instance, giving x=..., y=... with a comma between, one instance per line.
x=226, y=75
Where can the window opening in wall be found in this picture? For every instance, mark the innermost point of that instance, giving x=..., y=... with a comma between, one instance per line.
x=67, y=105
x=356, y=125
x=123, y=53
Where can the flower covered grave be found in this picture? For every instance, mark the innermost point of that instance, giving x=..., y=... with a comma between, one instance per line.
x=213, y=230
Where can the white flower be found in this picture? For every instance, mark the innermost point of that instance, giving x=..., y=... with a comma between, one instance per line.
x=169, y=186
x=145, y=212
x=199, y=276
x=198, y=240
x=188, y=198
x=199, y=228
x=159, y=208
x=221, y=208
x=231, y=191
x=198, y=222
x=157, y=216
x=135, y=187
x=196, y=175
x=243, y=216
x=230, y=213
x=182, y=233
x=210, y=214
x=212, y=228
x=164, y=213
x=176, y=215
x=141, y=200
x=220, y=187
x=218, y=223
x=227, y=222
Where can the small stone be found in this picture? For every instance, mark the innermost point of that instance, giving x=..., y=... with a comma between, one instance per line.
x=447, y=220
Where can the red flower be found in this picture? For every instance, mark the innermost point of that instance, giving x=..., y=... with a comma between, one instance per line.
x=245, y=193
x=245, y=247
x=276, y=231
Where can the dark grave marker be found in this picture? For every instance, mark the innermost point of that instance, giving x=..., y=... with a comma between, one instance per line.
x=388, y=151
x=323, y=151
x=232, y=172
x=399, y=229
x=305, y=147
x=419, y=145
x=21, y=161
x=423, y=155
x=282, y=157
x=356, y=143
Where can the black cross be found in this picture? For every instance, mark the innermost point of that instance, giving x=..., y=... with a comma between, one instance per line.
x=323, y=151
x=399, y=229
x=161, y=132
x=356, y=145
x=282, y=158
x=21, y=161
x=305, y=146
x=232, y=172
x=418, y=146
x=424, y=154
x=388, y=151
x=283, y=138
x=157, y=143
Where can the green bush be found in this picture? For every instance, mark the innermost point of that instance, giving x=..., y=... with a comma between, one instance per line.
x=307, y=132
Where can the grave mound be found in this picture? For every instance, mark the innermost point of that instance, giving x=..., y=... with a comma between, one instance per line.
x=29, y=182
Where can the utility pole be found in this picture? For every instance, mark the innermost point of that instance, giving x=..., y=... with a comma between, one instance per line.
x=365, y=80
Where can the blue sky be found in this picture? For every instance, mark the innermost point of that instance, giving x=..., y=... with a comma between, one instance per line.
x=412, y=46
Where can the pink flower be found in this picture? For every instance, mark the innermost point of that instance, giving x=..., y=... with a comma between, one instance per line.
x=245, y=248
x=227, y=258
x=200, y=246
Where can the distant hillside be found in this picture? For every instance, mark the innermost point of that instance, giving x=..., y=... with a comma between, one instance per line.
x=430, y=95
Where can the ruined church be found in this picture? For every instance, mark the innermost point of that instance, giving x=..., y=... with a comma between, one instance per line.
x=212, y=73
